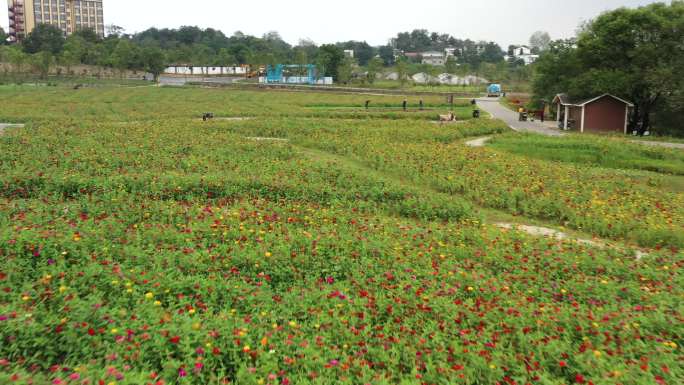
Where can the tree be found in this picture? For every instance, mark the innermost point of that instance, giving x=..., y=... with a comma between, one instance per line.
x=374, y=68
x=329, y=59
x=3, y=36
x=556, y=69
x=44, y=37
x=451, y=65
x=154, y=61
x=540, y=41
x=122, y=56
x=641, y=48
x=224, y=58
x=74, y=50
x=42, y=61
x=632, y=53
x=386, y=53
x=345, y=70
x=87, y=34
x=17, y=57
x=114, y=30
x=492, y=53
x=401, y=68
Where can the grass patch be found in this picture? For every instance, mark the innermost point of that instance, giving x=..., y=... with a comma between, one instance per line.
x=593, y=150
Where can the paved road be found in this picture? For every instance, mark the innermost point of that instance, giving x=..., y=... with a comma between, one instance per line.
x=498, y=111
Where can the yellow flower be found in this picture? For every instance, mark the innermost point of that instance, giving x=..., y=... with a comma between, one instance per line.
x=114, y=330
x=597, y=354
x=268, y=254
x=293, y=324
x=470, y=288
x=492, y=366
x=157, y=303
x=191, y=311
x=62, y=289
x=149, y=295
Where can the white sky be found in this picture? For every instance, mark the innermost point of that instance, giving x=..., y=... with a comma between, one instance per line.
x=503, y=21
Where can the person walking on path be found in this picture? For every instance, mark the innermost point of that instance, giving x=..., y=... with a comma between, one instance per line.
x=367, y=103
x=403, y=105
x=421, y=104
x=521, y=111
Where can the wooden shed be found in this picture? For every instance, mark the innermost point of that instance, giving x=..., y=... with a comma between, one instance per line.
x=605, y=113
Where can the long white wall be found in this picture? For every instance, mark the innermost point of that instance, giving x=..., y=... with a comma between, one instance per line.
x=183, y=70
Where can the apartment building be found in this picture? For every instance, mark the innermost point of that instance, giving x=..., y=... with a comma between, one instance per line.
x=67, y=15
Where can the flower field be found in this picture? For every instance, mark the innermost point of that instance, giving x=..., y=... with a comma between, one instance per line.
x=140, y=245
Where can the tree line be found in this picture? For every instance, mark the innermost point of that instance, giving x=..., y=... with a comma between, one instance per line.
x=153, y=49
x=636, y=54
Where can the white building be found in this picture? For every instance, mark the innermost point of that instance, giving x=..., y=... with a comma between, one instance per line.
x=349, y=53
x=523, y=53
x=434, y=58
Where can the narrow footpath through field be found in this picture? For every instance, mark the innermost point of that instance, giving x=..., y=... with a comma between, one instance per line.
x=3, y=126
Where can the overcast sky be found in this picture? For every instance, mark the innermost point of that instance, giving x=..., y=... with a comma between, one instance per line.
x=503, y=21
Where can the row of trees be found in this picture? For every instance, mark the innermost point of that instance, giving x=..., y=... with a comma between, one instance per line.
x=200, y=47
x=637, y=54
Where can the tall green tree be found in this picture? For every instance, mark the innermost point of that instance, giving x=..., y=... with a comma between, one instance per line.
x=345, y=70
x=154, y=61
x=451, y=65
x=42, y=62
x=329, y=59
x=44, y=37
x=374, y=68
x=402, y=68
x=386, y=52
x=74, y=51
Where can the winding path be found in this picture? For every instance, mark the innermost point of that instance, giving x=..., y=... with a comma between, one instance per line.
x=494, y=107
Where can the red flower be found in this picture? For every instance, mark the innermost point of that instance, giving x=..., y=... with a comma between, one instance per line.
x=91, y=331
x=562, y=364
x=174, y=339
x=579, y=379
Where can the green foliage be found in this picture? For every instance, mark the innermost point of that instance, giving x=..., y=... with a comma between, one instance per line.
x=44, y=37
x=42, y=61
x=3, y=37
x=374, y=68
x=633, y=53
x=330, y=58
x=154, y=61
x=594, y=151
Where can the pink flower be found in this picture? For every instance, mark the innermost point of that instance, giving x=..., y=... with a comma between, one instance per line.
x=330, y=280
x=182, y=372
x=74, y=376
x=198, y=367
x=57, y=381
x=334, y=362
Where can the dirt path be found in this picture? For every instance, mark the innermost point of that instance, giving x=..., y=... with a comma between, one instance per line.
x=498, y=111
x=660, y=144
x=561, y=236
x=479, y=142
x=3, y=126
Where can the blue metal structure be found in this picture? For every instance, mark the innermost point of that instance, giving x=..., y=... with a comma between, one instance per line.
x=277, y=74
